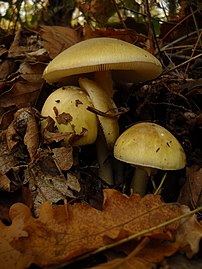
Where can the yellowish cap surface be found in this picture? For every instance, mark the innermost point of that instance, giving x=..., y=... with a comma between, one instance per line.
x=73, y=102
x=151, y=145
x=132, y=63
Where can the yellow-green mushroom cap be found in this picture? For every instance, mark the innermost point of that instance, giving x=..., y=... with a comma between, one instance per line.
x=127, y=62
x=150, y=145
x=71, y=104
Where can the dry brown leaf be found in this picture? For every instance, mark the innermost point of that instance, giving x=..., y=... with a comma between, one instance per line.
x=189, y=234
x=4, y=183
x=46, y=181
x=25, y=41
x=58, y=38
x=20, y=94
x=66, y=232
x=6, y=119
x=9, y=166
x=24, y=127
x=7, y=160
x=127, y=35
x=63, y=157
x=32, y=72
x=50, y=133
x=190, y=193
x=73, y=182
x=6, y=68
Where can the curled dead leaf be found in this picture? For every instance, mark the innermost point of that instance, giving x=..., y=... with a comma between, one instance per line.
x=24, y=127
x=189, y=234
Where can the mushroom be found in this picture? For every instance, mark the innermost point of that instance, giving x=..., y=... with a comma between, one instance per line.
x=148, y=146
x=106, y=59
x=103, y=60
x=68, y=108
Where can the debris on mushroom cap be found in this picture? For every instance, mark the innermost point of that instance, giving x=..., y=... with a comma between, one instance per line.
x=68, y=107
x=151, y=145
x=102, y=102
x=133, y=63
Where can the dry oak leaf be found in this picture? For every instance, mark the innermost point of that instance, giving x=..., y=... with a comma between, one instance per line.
x=65, y=232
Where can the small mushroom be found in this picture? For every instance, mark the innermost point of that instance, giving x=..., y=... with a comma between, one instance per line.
x=148, y=146
x=68, y=108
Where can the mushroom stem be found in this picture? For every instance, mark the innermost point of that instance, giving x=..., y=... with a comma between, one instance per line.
x=140, y=180
x=105, y=167
x=109, y=125
x=104, y=80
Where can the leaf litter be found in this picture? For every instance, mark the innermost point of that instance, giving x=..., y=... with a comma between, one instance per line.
x=53, y=218
x=68, y=231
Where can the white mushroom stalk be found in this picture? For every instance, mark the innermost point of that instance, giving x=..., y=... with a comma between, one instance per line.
x=102, y=102
x=109, y=125
x=148, y=146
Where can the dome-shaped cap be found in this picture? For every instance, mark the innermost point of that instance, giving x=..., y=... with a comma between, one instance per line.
x=67, y=106
x=132, y=63
x=151, y=145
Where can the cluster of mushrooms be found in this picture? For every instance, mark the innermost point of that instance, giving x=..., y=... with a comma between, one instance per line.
x=93, y=66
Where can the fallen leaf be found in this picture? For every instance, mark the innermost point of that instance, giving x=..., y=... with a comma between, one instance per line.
x=127, y=35
x=46, y=181
x=25, y=41
x=7, y=199
x=6, y=68
x=189, y=234
x=24, y=128
x=20, y=93
x=190, y=193
x=7, y=160
x=50, y=133
x=32, y=72
x=66, y=232
x=73, y=182
x=63, y=157
x=4, y=183
x=57, y=38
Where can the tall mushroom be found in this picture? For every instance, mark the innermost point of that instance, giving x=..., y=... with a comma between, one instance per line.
x=148, y=146
x=103, y=60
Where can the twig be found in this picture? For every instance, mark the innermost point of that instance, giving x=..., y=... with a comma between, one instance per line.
x=194, y=49
x=179, y=39
x=180, y=22
x=122, y=21
x=151, y=26
x=121, y=111
x=134, y=236
x=181, y=64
